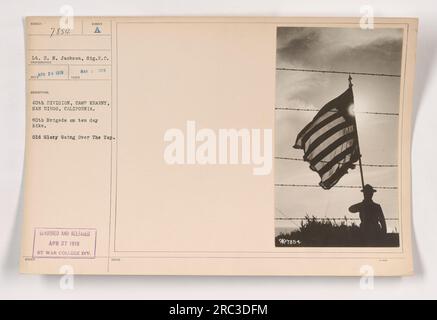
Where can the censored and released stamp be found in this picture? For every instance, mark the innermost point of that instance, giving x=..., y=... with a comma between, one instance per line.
x=72, y=243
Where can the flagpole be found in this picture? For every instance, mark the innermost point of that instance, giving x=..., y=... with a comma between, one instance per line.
x=358, y=141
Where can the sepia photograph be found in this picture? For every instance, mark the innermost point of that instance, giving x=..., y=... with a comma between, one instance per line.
x=337, y=137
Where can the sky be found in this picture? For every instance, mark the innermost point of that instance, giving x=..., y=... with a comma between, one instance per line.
x=346, y=49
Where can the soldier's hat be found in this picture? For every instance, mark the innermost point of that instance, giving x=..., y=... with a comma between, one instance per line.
x=368, y=188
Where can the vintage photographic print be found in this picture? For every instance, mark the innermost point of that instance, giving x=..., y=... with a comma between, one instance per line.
x=336, y=137
x=220, y=146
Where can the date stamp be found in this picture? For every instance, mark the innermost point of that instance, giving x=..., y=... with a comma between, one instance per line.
x=68, y=243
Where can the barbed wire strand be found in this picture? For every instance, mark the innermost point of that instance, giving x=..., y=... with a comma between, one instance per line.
x=316, y=110
x=340, y=72
x=364, y=164
x=341, y=186
x=285, y=217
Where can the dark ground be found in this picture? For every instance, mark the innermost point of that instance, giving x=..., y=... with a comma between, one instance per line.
x=330, y=233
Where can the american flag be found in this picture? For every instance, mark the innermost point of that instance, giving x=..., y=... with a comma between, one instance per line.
x=330, y=140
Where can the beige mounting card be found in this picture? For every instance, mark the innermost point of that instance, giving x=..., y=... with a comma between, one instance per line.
x=218, y=146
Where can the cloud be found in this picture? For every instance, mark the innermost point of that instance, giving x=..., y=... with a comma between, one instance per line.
x=348, y=49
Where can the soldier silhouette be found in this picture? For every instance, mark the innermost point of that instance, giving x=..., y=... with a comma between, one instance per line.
x=373, y=227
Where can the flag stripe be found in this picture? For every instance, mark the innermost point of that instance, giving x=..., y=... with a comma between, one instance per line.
x=332, y=180
x=332, y=147
x=317, y=119
x=327, y=126
x=323, y=137
x=328, y=142
x=319, y=126
x=336, y=159
x=332, y=154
